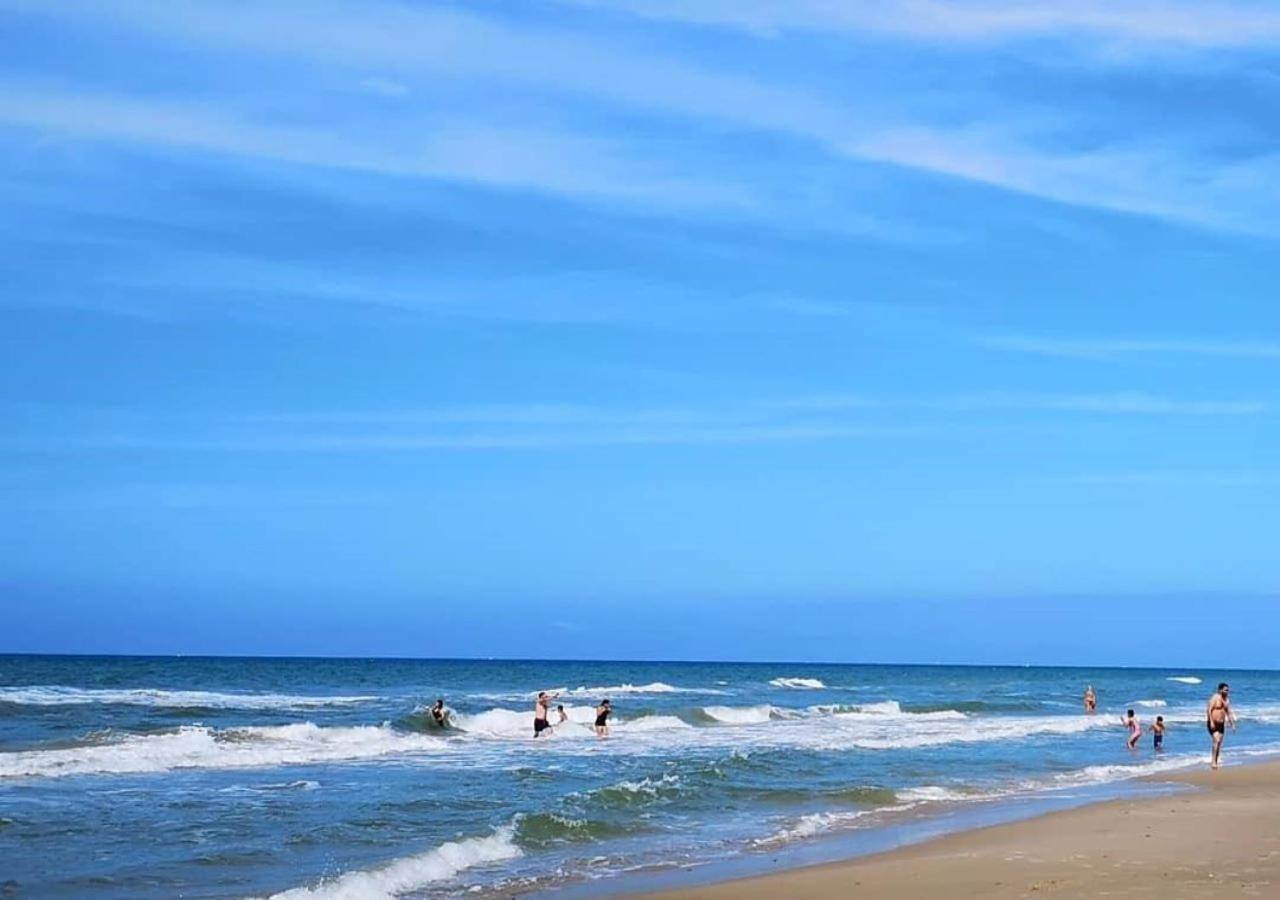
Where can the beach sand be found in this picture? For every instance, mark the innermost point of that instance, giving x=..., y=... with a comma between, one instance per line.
x=1221, y=840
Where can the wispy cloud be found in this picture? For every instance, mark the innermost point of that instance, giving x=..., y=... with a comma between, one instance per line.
x=546, y=161
x=1001, y=147
x=554, y=426
x=1117, y=348
x=1195, y=24
x=403, y=443
x=1122, y=403
x=385, y=87
x=1184, y=478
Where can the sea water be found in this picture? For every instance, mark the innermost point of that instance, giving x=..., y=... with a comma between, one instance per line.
x=164, y=777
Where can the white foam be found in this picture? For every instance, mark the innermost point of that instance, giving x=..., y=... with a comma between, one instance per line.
x=59, y=695
x=931, y=793
x=1184, y=679
x=811, y=684
x=651, y=723
x=739, y=715
x=507, y=724
x=1151, y=704
x=195, y=747
x=810, y=826
x=649, y=786
x=412, y=873
x=656, y=687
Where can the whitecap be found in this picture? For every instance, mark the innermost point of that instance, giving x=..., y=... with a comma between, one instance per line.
x=1184, y=679
x=811, y=684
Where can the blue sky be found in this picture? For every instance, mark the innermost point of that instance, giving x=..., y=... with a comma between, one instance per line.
x=896, y=331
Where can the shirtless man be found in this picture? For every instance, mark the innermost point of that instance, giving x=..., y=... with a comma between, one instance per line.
x=439, y=714
x=1217, y=716
x=540, y=710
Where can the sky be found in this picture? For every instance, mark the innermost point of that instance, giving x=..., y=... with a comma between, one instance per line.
x=908, y=331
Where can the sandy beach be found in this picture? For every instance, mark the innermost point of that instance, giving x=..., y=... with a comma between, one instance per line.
x=1220, y=840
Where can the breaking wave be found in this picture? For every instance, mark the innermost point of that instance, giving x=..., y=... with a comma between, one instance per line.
x=197, y=747
x=739, y=715
x=1184, y=679
x=812, y=684
x=413, y=873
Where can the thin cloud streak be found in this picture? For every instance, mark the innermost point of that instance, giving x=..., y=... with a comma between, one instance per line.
x=1158, y=478
x=1116, y=348
x=1189, y=24
x=555, y=163
x=293, y=443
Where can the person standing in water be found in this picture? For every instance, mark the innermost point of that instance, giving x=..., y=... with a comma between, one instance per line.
x=1157, y=734
x=1217, y=715
x=561, y=715
x=603, y=711
x=1090, y=700
x=1135, y=730
x=540, y=710
x=439, y=715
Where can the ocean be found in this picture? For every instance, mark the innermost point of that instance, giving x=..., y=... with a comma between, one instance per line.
x=199, y=777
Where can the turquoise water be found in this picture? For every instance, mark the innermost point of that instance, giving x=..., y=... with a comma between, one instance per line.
x=154, y=777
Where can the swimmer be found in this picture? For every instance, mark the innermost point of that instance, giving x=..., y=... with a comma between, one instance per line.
x=564, y=716
x=603, y=711
x=1090, y=700
x=1157, y=734
x=1135, y=730
x=1217, y=715
x=540, y=723
x=440, y=715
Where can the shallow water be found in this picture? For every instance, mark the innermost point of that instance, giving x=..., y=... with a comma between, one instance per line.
x=230, y=777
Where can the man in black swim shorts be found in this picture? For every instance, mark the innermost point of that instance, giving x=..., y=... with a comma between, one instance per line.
x=1217, y=716
x=540, y=710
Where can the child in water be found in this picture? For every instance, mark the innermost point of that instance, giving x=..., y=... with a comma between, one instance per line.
x=1157, y=734
x=1135, y=730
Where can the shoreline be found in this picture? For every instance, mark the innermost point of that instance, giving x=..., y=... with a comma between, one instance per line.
x=1210, y=836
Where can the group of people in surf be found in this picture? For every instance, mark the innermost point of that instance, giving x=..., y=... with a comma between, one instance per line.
x=541, y=715
x=1218, y=716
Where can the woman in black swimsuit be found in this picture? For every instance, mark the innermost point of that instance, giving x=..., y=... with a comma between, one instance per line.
x=602, y=718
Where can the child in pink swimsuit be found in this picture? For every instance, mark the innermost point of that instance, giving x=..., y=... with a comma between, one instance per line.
x=1135, y=730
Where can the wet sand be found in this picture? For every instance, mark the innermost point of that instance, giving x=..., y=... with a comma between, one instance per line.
x=1221, y=840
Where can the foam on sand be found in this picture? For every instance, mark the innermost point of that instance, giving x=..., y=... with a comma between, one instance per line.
x=60, y=695
x=412, y=873
x=811, y=684
x=196, y=747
